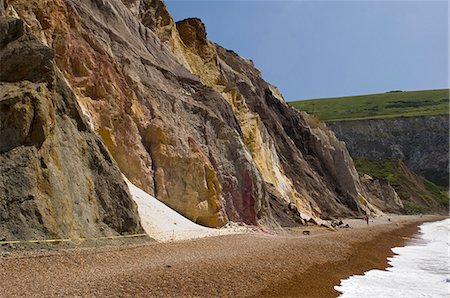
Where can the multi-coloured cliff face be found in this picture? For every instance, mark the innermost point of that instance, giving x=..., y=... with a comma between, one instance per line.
x=57, y=179
x=184, y=119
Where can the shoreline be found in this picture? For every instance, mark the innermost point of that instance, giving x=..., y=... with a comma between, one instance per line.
x=246, y=265
x=319, y=281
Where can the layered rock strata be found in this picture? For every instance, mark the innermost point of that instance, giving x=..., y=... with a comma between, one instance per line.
x=270, y=128
x=383, y=195
x=420, y=142
x=57, y=179
x=186, y=120
x=170, y=135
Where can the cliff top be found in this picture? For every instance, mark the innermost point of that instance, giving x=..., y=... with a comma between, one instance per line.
x=394, y=104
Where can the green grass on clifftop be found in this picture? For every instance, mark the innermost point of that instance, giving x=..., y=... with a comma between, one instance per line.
x=377, y=106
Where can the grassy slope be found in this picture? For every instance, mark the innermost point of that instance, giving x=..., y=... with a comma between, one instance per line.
x=418, y=194
x=386, y=105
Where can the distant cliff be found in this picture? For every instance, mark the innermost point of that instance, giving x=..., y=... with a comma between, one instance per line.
x=417, y=194
x=420, y=142
x=395, y=137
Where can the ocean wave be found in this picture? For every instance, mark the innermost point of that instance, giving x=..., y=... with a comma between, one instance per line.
x=420, y=269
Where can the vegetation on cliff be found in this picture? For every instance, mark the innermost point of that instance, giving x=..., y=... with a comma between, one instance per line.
x=410, y=126
x=392, y=104
x=417, y=194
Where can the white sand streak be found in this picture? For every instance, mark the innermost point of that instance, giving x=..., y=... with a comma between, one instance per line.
x=165, y=224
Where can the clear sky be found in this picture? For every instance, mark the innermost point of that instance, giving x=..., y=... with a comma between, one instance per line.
x=312, y=49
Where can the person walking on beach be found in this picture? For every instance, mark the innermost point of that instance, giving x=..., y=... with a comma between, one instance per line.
x=366, y=218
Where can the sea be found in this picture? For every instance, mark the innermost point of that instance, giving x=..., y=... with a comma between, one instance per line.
x=419, y=269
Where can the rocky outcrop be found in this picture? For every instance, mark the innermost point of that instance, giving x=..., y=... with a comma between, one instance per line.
x=382, y=194
x=420, y=142
x=154, y=15
x=186, y=120
x=57, y=179
x=417, y=195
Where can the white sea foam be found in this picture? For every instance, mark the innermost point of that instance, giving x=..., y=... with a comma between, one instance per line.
x=420, y=269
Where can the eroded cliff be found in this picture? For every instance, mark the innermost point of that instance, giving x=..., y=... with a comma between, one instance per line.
x=420, y=142
x=186, y=120
x=241, y=85
x=417, y=194
x=57, y=179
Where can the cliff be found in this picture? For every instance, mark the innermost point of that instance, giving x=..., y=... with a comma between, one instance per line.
x=57, y=179
x=397, y=138
x=417, y=194
x=420, y=142
x=408, y=125
x=268, y=125
x=185, y=120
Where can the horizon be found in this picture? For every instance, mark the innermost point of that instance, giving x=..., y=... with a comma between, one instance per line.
x=323, y=49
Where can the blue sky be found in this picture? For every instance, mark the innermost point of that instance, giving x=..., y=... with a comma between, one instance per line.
x=312, y=49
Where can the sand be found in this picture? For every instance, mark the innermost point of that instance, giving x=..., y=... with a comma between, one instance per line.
x=246, y=265
x=164, y=224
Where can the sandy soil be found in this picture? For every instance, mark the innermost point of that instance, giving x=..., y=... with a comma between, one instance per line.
x=248, y=265
x=165, y=224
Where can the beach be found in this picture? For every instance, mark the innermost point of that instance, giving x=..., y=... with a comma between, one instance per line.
x=244, y=265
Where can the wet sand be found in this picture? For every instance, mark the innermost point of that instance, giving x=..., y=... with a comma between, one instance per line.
x=250, y=265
